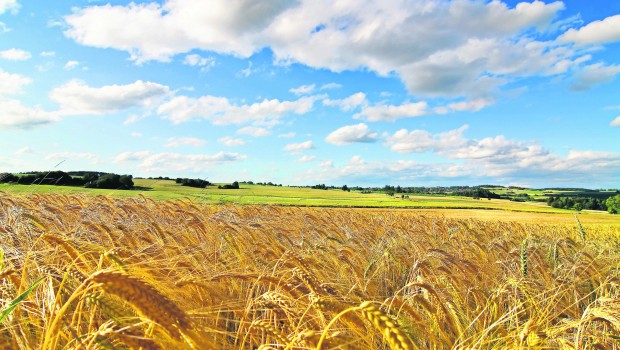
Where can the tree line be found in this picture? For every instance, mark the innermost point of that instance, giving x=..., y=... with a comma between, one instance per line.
x=76, y=178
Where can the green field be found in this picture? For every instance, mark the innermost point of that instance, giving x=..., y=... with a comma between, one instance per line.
x=295, y=196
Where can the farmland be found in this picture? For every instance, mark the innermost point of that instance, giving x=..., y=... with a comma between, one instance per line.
x=83, y=271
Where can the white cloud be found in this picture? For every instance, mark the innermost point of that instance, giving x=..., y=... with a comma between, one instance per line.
x=9, y=5
x=220, y=111
x=305, y=159
x=162, y=162
x=326, y=164
x=597, y=32
x=185, y=141
x=47, y=54
x=594, y=74
x=136, y=134
x=288, y=135
x=14, y=115
x=303, y=90
x=158, y=32
x=11, y=84
x=196, y=60
x=4, y=28
x=24, y=150
x=471, y=105
x=330, y=86
x=231, y=141
x=469, y=53
x=71, y=65
x=351, y=134
x=392, y=112
x=75, y=97
x=254, y=131
x=297, y=147
x=15, y=55
x=615, y=122
x=91, y=157
x=349, y=103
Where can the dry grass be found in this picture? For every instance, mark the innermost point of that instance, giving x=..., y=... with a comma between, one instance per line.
x=135, y=273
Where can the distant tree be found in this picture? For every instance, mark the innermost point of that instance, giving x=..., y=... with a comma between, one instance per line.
x=346, y=188
x=578, y=207
x=613, y=204
x=7, y=177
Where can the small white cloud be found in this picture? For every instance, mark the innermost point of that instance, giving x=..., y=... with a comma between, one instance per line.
x=303, y=90
x=288, y=135
x=136, y=134
x=47, y=54
x=4, y=28
x=71, y=65
x=392, y=112
x=615, y=122
x=330, y=86
x=75, y=97
x=14, y=115
x=346, y=135
x=297, y=147
x=162, y=162
x=194, y=60
x=11, y=84
x=593, y=75
x=15, y=55
x=93, y=158
x=254, y=131
x=597, y=32
x=9, y=5
x=349, y=103
x=305, y=159
x=185, y=141
x=326, y=164
x=231, y=141
x=24, y=150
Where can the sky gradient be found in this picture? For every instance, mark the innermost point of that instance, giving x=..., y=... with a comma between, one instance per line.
x=410, y=93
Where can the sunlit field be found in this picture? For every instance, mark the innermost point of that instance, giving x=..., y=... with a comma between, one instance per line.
x=95, y=272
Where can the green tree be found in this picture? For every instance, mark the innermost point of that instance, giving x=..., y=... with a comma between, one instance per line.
x=613, y=204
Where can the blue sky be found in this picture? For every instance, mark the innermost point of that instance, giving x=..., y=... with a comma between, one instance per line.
x=414, y=93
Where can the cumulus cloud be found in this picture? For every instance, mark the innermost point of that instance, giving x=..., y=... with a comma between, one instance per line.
x=498, y=156
x=220, y=111
x=15, y=55
x=615, y=122
x=391, y=113
x=303, y=90
x=597, y=32
x=454, y=56
x=345, y=135
x=161, y=31
x=75, y=97
x=349, y=103
x=152, y=162
x=185, y=141
x=230, y=141
x=297, y=147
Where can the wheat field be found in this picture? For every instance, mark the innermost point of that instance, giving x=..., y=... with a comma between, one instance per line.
x=80, y=272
